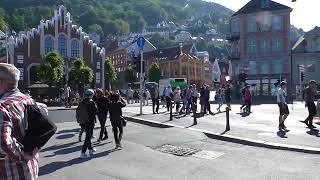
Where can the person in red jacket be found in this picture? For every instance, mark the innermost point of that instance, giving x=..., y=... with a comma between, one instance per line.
x=248, y=98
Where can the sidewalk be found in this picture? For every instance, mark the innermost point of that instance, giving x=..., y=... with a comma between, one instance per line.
x=260, y=128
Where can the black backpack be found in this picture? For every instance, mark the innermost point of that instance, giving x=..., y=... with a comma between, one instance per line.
x=39, y=129
x=82, y=115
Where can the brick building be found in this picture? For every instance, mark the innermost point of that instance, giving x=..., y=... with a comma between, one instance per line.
x=259, y=37
x=177, y=62
x=26, y=50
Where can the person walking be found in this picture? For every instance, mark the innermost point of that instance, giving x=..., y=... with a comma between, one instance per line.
x=177, y=98
x=219, y=97
x=248, y=99
x=227, y=96
x=116, y=105
x=207, y=100
x=103, y=104
x=147, y=96
x=309, y=93
x=129, y=95
x=90, y=111
x=155, y=99
x=283, y=107
x=14, y=162
x=194, y=99
x=202, y=100
x=67, y=96
x=168, y=96
x=243, y=90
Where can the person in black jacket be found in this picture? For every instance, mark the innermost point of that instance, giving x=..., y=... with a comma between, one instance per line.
x=92, y=111
x=116, y=105
x=103, y=108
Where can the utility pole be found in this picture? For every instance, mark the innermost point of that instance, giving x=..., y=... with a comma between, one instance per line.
x=140, y=42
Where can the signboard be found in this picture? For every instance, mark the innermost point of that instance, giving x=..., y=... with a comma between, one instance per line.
x=140, y=42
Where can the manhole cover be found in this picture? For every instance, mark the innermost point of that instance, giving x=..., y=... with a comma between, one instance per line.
x=177, y=150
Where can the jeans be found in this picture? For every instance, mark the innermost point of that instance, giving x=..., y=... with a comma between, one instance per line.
x=117, y=128
x=103, y=131
x=168, y=100
x=155, y=104
x=87, y=141
x=312, y=111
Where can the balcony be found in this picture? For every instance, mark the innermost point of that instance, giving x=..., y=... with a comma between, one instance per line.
x=234, y=56
x=233, y=36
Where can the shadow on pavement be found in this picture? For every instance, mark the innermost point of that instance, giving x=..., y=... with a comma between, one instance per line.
x=65, y=136
x=57, y=147
x=54, y=166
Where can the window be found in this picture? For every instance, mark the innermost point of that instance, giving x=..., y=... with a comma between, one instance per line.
x=74, y=48
x=253, y=67
x=311, y=67
x=62, y=45
x=264, y=45
x=252, y=26
x=277, y=23
x=277, y=66
x=265, y=68
x=48, y=44
x=265, y=27
x=277, y=44
x=252, y=46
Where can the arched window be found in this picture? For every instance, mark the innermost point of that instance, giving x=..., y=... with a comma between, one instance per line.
x=74, y=49
x=48, y=44
x=62, y=45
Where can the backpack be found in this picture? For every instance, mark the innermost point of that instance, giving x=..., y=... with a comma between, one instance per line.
x=82, y=113
x=39, y=128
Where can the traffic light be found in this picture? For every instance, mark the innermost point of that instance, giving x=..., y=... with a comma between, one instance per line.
x=302, y=76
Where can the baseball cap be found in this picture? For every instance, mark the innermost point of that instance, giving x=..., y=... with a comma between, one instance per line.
x=89, y=92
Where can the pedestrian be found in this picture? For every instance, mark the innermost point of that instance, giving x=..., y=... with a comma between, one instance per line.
x=248, y=99
x=168, y=96
x=219, y=97
x=155, y=99
x=189, y=99
x=309, y=93
x=207, y=100
x=195, y=96
x=88, y=112
x=14, y=162
x=116, y=105
x=103, y=105
x=67, y=96
x=143, y=95
x=147, y=96
x=202, y=100
x=283, y=107
x=243, y=90
x=227, y=96
x=177, y=98
x=129, y=95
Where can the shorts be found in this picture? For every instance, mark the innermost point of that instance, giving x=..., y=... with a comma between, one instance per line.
x=283, y=108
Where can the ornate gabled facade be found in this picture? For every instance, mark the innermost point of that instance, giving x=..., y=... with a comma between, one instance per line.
x=60, y=35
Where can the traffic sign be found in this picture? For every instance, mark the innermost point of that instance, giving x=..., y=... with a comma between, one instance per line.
x=140, y=42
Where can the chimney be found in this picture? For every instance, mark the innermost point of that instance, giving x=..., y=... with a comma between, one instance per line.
x=181, y=46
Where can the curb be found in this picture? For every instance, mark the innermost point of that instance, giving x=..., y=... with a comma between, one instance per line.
x=229, y=138
x=61, y=109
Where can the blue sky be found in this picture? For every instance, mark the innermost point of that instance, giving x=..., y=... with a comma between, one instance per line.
x=301, y=16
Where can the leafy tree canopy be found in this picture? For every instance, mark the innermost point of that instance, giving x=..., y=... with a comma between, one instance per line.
x=154, y=73
x=52, y=70
x=80, y=74
x=130, y=75
x=110, y=71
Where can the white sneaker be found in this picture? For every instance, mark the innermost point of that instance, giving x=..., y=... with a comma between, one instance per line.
x=84, y=156
x=92, y=151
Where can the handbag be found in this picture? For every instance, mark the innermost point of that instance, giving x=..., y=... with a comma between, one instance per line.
x=123, y=121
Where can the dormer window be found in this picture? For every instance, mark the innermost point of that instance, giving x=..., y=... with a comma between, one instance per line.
x=265, y=4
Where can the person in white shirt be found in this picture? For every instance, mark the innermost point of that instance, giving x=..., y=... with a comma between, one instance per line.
x=168, y=95
x=283, y=107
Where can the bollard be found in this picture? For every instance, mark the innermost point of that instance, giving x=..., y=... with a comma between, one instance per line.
x=171, y=117
x=227, y=119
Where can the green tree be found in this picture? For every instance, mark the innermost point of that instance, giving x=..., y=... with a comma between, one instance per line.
x=3, y=24
x=111, y=74
x=160, y=42
x=154, y=73
x=80, y=75
x=129, y=75
x=51, y=72
x=95, y=28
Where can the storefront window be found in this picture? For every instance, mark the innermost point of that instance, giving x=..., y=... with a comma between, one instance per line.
x=265, y=89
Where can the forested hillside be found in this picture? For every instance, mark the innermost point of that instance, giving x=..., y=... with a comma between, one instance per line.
x=108, y=16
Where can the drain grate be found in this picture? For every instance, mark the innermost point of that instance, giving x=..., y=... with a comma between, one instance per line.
x=177, y=150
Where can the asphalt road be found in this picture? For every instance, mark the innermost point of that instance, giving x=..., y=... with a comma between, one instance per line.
x=140, y=159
